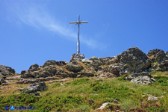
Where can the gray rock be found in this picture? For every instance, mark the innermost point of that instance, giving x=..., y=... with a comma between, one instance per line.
x=49, y=62
x=87, y=61
x=156, y=55
x=23, y=72
x=167, y=54
x=152, y=98
x=74, y=68
x=96, y=63
x=35, y=87
x=53, y=62
x=134, y=60
x=2, y=81
x=114, y=69
x=49, y=69
x=27, y=74
x=135, y=75
x=6, y=71
x=142, y=80
x=34, y=67
x=103, y=106
x=163, y=66
x=94, y=58
x=77, y=57
x=159, y=60
x=110, y=60
x=61, y=63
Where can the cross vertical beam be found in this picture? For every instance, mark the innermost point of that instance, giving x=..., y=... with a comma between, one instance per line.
x=78, y=22
x=78, y=41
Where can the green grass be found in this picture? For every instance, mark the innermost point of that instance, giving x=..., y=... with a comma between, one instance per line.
x=88, y=94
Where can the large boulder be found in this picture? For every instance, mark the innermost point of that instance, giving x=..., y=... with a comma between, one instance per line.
x=133, y=60
x=74, y=67
x=34, y=67
x=6, y=71
x=140, y=78
x=143, y=80
x=35, y=87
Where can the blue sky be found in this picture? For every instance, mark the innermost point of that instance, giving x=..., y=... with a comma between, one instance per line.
x=33, y=31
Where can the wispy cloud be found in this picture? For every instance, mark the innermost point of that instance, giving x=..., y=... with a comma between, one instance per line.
x=37, y=17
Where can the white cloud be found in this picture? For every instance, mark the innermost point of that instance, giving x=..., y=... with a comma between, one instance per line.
x=37, y=17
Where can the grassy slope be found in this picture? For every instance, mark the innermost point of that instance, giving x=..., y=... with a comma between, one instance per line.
x=88, y=94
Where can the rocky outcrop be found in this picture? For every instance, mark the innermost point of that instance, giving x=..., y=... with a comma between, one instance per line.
x=156, y=55
x=6, y=71
x=133, y=60
x=159, y=60
x=56, y=68
x=50, y=68
x=132, y=63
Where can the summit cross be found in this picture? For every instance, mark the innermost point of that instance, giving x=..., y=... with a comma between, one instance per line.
x=78, y=22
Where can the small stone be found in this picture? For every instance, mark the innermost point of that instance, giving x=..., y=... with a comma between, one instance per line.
x=152, y=98
x=103, y=106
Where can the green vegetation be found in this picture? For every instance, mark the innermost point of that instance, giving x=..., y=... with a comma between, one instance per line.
x=88, y=94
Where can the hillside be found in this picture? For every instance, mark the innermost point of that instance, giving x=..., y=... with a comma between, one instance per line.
x=132, y=81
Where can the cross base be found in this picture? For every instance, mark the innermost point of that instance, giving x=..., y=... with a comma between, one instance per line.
x=77, y=57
